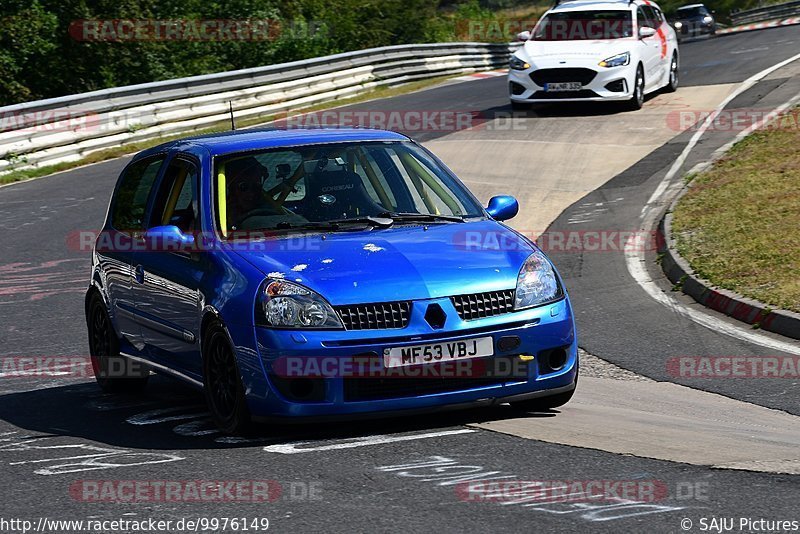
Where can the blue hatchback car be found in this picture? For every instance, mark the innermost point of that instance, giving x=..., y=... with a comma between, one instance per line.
x=300, y=274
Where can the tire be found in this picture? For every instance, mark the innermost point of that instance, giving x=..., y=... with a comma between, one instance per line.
x=543, y=404
x=674, y=79
x=114, y=373
x=637, y=100
x=223, y=383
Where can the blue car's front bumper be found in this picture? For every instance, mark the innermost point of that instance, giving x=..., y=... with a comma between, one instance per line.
x=271, y=394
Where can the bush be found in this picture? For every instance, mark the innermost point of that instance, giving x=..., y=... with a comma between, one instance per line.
x=39, y=58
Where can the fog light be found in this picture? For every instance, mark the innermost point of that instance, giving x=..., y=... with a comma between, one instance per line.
x=526, y=357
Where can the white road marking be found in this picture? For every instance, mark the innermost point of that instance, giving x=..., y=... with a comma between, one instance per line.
x=108, y=403
x=635, y=259
x=160, y=416
x=238, y=440
x=100, y=457
x=748, y=50
x=196, y=428
x=445, y=471
x=128, y=459
x=292, y=448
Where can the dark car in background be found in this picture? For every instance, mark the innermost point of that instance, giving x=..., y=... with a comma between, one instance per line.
x=693, y=20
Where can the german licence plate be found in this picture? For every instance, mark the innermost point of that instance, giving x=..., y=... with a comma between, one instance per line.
x=438, y=352
x=562, y=87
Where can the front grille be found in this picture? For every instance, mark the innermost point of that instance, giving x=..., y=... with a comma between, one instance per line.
x=543, y=76
x=480, y=305
x=393, y=387
x=560, y=95
x=380, y=316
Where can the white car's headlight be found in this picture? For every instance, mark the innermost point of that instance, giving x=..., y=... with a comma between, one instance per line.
x=536, y=283
x=288, y=305
x=679, y=25
x=708, y=19
x=620, y=60
x=518, y=64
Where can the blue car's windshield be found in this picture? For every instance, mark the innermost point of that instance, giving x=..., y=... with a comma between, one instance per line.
x=312, y=185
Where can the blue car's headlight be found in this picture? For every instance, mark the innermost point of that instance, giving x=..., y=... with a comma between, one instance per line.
x=536, y=283
x=288, y=305
x=620, y=60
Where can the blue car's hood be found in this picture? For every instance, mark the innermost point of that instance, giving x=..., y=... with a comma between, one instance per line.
x=399, y=263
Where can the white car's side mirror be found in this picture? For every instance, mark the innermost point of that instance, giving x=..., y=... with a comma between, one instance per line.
x=524, y=36
x=646, y=31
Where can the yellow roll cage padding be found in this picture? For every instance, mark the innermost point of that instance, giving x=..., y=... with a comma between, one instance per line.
x=373, y=178
x=222, y=200
x=414, y=168
x=172, y=201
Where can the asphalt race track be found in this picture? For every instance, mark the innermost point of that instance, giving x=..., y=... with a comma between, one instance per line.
x=581, y=169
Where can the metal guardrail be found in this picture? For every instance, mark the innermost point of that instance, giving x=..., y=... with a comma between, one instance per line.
x=55, y=130
x=778, y=11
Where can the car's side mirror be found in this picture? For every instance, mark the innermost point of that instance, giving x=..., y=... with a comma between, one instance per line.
x=524, y=36
x=168, y=238
x=503, y=207
x=646, y=31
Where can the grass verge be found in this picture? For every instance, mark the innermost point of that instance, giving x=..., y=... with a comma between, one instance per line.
x=739, y=223
x=222, y=126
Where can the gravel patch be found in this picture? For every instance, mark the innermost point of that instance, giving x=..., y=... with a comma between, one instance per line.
x=594, y=367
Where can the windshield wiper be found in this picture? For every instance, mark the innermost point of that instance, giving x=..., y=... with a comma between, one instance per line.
x=378, y=222
x=383, y=220
x=337, y=224
x=306, y=226
x=423, y=217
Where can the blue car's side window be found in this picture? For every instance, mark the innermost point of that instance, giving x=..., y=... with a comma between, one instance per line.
x=176, y=202
x=130, y=202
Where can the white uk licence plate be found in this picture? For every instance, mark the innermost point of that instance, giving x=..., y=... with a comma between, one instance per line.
x=438, y=352
x=563, y=86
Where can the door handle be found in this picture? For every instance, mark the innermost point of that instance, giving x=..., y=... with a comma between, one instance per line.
x=138, y=273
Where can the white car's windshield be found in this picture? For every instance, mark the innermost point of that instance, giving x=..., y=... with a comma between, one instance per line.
x=309, y=186
x=690, y=12
x=585, y=25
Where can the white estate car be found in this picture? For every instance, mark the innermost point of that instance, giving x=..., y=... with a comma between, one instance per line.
x=584, y=50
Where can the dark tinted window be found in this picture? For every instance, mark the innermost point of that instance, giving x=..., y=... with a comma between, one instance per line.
x=653, y=17
x=176, y=203
x=584, y=25
x=689, y=12
x=131, y=198
x=644, y=17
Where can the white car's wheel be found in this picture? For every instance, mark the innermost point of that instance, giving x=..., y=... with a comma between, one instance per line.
x=674, y=81
x=637, y=100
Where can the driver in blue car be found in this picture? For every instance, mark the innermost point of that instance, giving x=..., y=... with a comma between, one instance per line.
x=245, y=190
